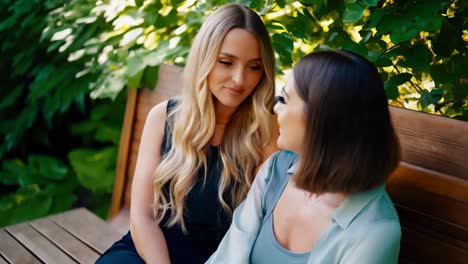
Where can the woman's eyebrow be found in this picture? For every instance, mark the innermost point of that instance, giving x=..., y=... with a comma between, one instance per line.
x=226, y=54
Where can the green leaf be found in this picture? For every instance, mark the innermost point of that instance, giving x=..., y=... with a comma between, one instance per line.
x=374, y=19
x=106, y=133
x=32, y=208
x=156, y=57
x=281, y=3
x=95, y=169
x=299, y=26
x=446, y=42
x=355, y=47
x=7, y=204
x=428, y=98
x=383, y=62
x=61, y=35
x=63, y=202
x=110, y=85
x=399, y=79
x=392, y=92
x=135, y=65
x=391, y=86
x=100, y=112
x=318, y=8
x=31, y=177
x=76, y=89
x=384, y=76
x=48, y=79
x=437, y=95
x=150, y=76
x=134, y=81
x=83, y=128
x=274, y=27
x=12, y=171
x=396, y=51
x=442, y=74
x=402, y=36
x=48, y=167
x=312, y=2
x=419, y=57
x=283, y=44
x=62, y=194
x=366, y=35
x=131, y=36
x=352, y=13
x=370, y=2
x=255, y=4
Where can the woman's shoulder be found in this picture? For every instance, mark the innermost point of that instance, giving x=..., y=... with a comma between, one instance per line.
x=276, y=165
x=156, y=118
x=378, y=219
x=281, y=162
x=161, y=110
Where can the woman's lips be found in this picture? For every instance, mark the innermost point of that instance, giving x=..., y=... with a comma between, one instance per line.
x=235, y=91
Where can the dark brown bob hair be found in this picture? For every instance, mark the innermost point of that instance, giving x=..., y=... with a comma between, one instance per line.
x=350, y=144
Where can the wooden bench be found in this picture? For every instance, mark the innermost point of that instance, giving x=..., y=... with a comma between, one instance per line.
x=74, y=236
x=430, y=187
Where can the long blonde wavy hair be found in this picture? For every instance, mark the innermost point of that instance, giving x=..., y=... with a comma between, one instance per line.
x=193, y=120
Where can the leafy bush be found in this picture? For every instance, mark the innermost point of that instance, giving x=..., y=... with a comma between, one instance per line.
x=419, y=46
x=49, y=126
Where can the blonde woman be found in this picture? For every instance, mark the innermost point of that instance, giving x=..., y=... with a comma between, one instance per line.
x=199, y=154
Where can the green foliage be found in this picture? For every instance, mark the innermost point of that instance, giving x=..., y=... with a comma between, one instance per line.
x=43, y=103
x=419, y=38
x=45, y=186
x=94, y=168
x=63, y=58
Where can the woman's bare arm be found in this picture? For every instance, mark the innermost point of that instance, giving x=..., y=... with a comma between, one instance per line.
x=146, y=233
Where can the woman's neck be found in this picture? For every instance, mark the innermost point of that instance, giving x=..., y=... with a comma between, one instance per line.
x=333, y=200
x=223, y=113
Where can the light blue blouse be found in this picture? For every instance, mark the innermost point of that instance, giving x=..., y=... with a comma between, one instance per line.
x=365, y=227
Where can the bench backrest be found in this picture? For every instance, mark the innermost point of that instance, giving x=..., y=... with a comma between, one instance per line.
x=430, y=187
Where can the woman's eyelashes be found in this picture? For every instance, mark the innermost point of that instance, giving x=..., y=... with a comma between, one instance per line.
x=227, y=63
x=280, y=99
x=254, y=67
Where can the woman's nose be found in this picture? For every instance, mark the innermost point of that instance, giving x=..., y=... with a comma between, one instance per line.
x=275, y=108
x=238, y=76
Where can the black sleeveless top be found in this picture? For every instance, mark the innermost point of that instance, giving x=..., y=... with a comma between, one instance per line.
x=204, y=217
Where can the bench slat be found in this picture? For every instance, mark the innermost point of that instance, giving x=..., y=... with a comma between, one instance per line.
x=433, y=142
x=13, y=251
x=37, y=243
x=454, y=234
x=421, y=248
x=442, y=184
x=2, y=261
x=71, y=245
x=88, y=228
x=430, y=193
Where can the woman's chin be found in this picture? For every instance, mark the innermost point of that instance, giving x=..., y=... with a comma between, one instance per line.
x=285, y=146
x=281, y=144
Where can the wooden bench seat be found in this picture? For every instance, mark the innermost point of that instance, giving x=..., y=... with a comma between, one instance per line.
x=430, y=187
x=75, y=236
